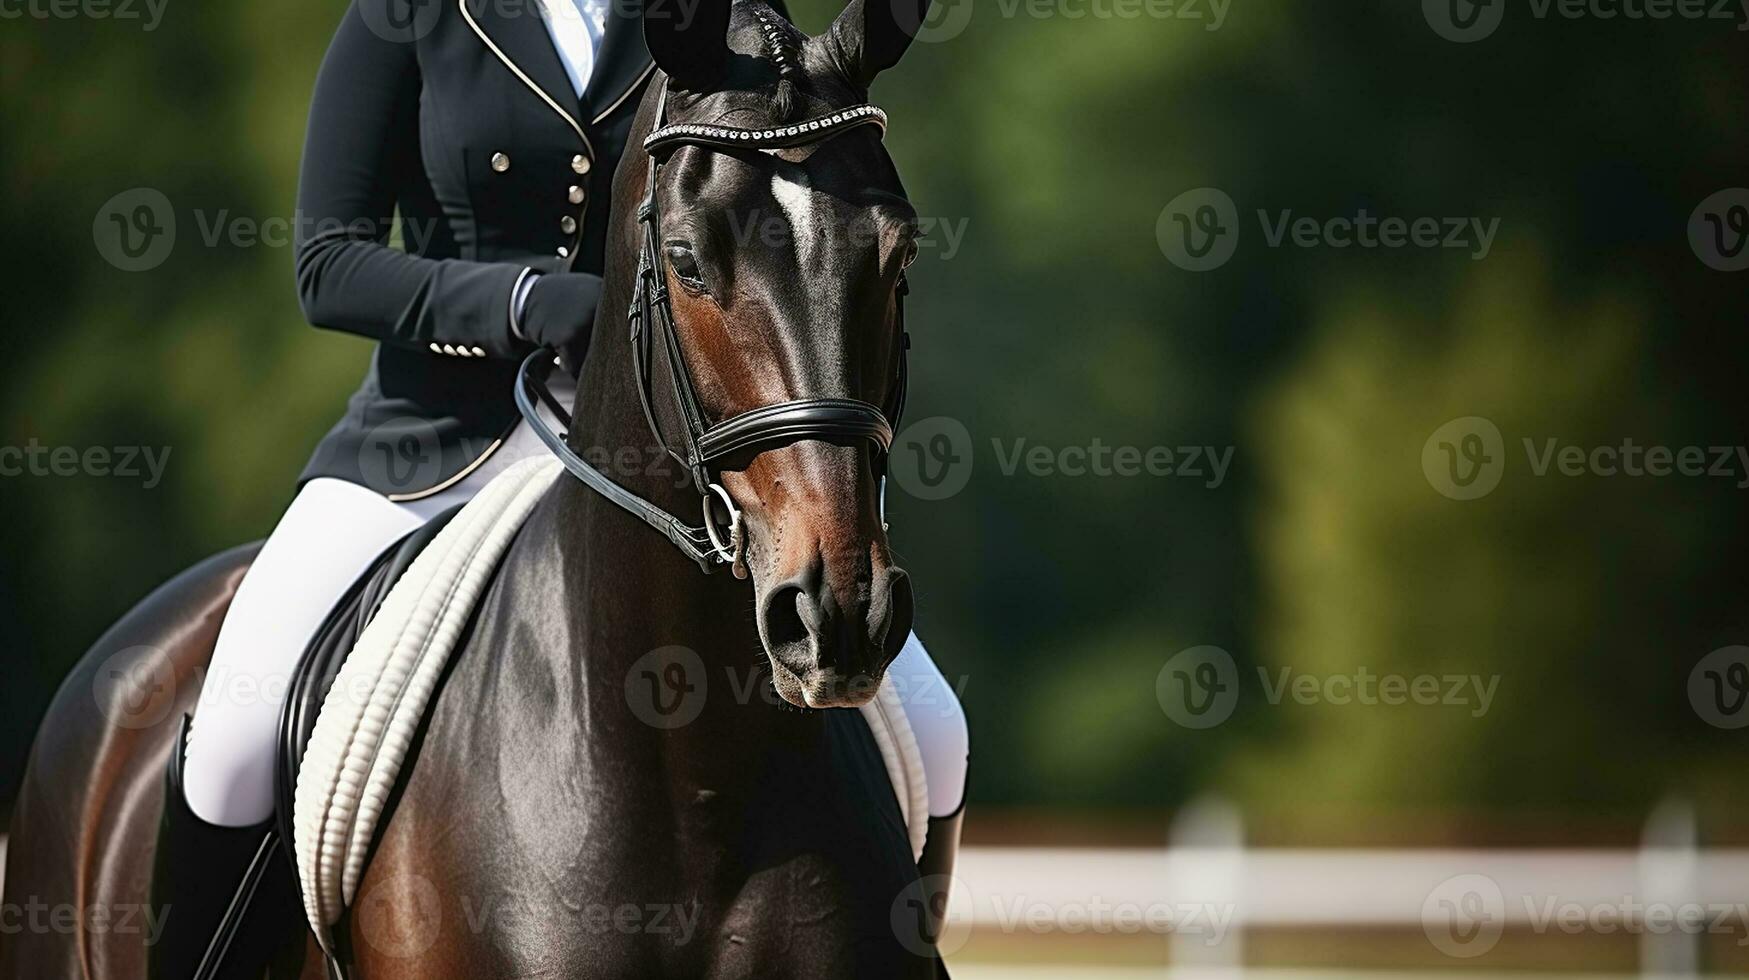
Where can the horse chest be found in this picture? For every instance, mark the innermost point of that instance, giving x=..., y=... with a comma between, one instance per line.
x=803, y=918
x=554, y=831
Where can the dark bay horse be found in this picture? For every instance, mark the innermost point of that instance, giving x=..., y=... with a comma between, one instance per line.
x=631, y=770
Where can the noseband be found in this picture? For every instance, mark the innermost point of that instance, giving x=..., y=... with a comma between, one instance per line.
x=704, y=444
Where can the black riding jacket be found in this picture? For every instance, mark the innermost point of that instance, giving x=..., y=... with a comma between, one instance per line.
x=457, y=116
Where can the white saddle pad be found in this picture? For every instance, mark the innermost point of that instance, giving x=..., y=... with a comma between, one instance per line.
x=380, y=695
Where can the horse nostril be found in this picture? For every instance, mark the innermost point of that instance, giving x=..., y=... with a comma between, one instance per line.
x=781, y=618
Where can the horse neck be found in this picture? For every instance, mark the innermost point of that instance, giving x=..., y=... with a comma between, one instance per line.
x=632, y=592
x=679, y=686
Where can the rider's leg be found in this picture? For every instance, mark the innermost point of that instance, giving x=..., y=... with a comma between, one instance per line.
x=938, y=721
x=219, y=796
x=327, y=538
x=933, y=709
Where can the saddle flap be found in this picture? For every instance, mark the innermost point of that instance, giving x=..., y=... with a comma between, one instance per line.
x=322, y=659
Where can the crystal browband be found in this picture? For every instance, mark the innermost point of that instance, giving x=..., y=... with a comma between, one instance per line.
x=780, y=137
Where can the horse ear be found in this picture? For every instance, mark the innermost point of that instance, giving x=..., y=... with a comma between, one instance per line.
x=689, y=41
x=873, y=34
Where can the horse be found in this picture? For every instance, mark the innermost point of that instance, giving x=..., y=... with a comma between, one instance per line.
x=627, y=771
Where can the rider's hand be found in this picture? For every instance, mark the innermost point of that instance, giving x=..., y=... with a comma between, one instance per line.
x=560, y=313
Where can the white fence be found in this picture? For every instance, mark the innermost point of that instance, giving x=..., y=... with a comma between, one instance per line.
x=1205, y=889
x=1202, y=891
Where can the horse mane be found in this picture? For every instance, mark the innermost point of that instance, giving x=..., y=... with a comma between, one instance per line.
x=782, y=46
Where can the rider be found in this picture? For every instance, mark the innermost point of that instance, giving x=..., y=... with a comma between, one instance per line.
x=495, y=136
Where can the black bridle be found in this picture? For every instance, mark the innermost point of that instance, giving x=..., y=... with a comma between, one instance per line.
x=704, y=443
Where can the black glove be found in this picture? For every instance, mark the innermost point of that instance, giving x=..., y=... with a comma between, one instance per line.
x=559, y=314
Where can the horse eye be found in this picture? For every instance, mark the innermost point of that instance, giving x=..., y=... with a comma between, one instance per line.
x=685, y=265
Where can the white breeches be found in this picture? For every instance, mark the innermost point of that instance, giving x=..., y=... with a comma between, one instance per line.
x=327, y=538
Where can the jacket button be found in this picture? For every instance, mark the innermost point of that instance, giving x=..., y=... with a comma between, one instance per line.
x=574, y=195
x=479, y=352
x=563, y=251
x=448, y=349
x=436, y=349
x=580, y=164
x=500, y=162
x=568, y=224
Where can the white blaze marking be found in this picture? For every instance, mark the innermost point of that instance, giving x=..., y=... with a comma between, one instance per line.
x=796, y=199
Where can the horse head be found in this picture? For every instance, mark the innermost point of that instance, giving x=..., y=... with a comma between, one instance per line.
x=783, y=267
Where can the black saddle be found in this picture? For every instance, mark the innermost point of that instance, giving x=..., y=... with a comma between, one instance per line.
x=323, y=658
